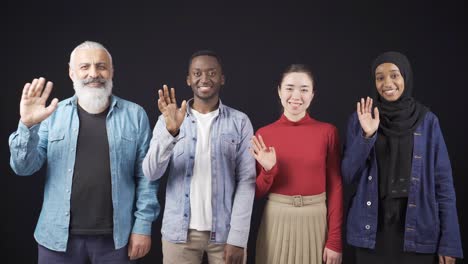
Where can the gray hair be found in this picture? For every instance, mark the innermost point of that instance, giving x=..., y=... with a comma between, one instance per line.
x=89, y=45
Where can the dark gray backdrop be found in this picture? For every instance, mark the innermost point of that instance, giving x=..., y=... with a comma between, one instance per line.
x=151, y=43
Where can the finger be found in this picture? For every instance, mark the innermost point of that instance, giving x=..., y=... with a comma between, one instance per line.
x=160, y=106
x=441, y=260
x=254, y=146
x=24, y=96
x=161, y=98
x=32, y=87
x=272, y=149
x=51, y=108
x=358, y=108
x=130, y=246
x=173, y=99
x=252, y=152
x=183, y=107
x=166, y=94
x=376, y=114
x=262, y=144
x=371, y=102
x=363, y=106
x=256, y=143
x=47, y=91
x=368, y=105
x=39, y=87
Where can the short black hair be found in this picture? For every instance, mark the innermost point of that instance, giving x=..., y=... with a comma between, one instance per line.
x=206, y=53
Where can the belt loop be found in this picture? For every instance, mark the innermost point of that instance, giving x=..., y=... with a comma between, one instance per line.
x=297, y=201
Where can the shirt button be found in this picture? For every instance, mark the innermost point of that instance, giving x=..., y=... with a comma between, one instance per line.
x=368, y=203
x=369, y=178
x=68, y=191
x=367, y=227
x=191, y=157
x=186, y=195
x=72, y=149
x=69, y=170
x=66, y=213
x=194, y=138
x=185, y=215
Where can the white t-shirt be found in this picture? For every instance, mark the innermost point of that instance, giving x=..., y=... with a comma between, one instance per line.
x=200, y=186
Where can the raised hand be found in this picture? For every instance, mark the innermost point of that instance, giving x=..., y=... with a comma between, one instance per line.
x=168, y=106
x=32, y=106
x=266, y=156
x=368, y=123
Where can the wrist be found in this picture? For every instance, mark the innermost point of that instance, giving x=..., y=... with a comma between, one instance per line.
x=27, y=124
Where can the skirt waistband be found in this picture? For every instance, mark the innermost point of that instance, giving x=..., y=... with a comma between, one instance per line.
x=297, y=200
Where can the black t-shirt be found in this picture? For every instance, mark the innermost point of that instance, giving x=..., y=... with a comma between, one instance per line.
x=91, y=197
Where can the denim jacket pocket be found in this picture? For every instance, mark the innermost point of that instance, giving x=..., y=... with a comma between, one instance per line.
x=56, y=144
x=128, y=145
x=229, y=145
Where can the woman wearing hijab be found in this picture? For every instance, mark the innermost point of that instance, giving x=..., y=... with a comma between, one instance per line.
x=404, y=209
x=299, y=169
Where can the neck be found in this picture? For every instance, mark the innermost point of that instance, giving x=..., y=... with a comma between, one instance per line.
x=205, y=106
x=294, y=118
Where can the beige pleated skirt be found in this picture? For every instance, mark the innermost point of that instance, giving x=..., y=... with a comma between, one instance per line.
x=293, y=230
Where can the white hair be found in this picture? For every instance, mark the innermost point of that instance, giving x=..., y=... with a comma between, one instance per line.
x=89, y=45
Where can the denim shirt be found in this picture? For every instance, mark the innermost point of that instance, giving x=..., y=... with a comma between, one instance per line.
x=233, y=175
x=431, y=224
x=53, y=142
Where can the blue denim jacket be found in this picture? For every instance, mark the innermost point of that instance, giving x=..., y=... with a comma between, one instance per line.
x=233, y=175
x=431, y=224
x=54, y=142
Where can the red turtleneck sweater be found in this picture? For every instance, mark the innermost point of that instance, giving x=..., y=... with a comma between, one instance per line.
x=307, y=163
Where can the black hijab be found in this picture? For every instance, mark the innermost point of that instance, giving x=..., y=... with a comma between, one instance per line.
x=398, y=121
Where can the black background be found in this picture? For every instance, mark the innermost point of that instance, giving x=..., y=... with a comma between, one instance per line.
x=151, y=42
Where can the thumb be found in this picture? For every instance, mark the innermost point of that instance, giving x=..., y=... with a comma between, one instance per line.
x=183, y=107
x=376, y=113
x=130, y=246
x=53, y=105
x=272, y=149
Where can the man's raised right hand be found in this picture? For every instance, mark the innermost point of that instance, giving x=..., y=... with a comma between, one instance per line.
x=168, y=106
x=32, y=106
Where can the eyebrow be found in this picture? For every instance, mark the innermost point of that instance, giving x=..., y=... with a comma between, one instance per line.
x=390, y=71
x=304, y=85
x=88, y=63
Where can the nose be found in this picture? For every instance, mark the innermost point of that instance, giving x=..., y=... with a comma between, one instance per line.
x=387, y=82
x=204, y=77
x=296, y=93
x=93, y=72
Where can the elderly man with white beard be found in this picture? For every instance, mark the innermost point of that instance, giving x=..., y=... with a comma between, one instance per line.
x=98, y=207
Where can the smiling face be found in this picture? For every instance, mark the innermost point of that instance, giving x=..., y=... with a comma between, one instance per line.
x=296, y=93
x=205, y=77
x=389, y=81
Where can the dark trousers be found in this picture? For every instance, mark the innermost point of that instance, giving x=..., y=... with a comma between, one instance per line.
x=83, y=249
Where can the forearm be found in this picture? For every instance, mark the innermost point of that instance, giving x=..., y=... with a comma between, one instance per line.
x=26, y=157
x=160, y=152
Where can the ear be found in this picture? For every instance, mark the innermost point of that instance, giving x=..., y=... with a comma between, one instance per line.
x=279, y=92
x=223, y=79
x=188, y=80
x=70, y=72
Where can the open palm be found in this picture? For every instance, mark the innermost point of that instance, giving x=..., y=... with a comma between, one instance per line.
x=33, y=100
x=167, y=104
x=264, y=155
x=368, y=123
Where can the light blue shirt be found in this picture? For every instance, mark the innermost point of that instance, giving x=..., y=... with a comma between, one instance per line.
x=54, y=142
x=232, y=175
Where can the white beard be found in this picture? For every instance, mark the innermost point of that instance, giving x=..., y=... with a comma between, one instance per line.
x=93, y=99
